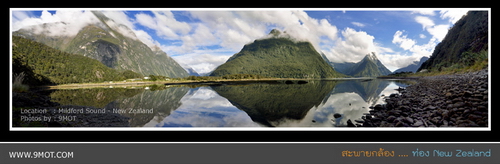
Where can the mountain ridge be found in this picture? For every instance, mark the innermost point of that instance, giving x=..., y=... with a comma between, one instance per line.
x=369, y=66
x=113, y=45
x=43, y=65
x=277, y=56
x=464, y=44
x=412, y=67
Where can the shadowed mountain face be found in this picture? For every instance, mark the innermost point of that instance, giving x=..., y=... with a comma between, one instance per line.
x=267, y=103
x=108, y=52
x=468, y=36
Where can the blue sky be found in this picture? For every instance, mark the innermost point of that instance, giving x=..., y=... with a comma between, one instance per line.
x=205, y=38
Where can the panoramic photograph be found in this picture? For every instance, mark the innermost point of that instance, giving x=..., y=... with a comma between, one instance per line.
x=250, y=69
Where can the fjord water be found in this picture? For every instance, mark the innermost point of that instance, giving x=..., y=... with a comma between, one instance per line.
x=243, y=105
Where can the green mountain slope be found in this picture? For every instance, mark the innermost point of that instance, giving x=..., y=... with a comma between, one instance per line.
x=464, y=44
x=270, y=103
x=364, y=68
x=278, y=57
x=112, y=44
x=46, y=65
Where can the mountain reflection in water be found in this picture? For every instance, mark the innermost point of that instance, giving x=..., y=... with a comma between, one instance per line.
x=241, y=105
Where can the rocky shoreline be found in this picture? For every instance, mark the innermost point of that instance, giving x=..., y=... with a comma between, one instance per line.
x=459, y=100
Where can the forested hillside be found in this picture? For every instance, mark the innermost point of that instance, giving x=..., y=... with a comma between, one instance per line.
x=465, y=44
x=42, y=64
x=278, y=57
x=111, y=43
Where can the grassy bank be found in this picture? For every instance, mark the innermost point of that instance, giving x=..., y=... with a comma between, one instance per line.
x=159, y=82
x=472, y=62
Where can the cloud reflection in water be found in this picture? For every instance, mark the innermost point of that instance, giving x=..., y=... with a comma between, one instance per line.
x=203, y=107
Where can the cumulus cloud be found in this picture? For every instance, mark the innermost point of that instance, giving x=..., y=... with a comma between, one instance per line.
x=414, y=51
x=231, y=30
x=203, y=61
x=426, y=22
x=164, y=23
x=61, y=23
x=211, y=36
x=437, y=31
x=398, y=60
x=410, y=45
x=453, y=15
x=403, y=41
x=120, y=18
x=353, y=47
x=236, y=28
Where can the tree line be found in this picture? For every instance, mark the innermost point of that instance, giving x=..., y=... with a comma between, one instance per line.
x=42, y=64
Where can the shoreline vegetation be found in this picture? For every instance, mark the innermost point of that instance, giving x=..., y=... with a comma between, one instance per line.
x=187, y=81
x=451, y=100
x=214, y=80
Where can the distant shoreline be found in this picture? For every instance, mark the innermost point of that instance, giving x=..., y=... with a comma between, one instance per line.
x=184, y=82
x=201, y=82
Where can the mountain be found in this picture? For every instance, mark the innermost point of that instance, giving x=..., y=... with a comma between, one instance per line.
x=278, y=55
x=369, y=66
x=113, y=44
x=192, y=72
x=412, y=67
x=465, y=44
x=271, y=104
x=342, y=67
x=42, y=64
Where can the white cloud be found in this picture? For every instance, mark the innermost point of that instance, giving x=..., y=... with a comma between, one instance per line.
x=203, y=61
x=144, y=37
x=424, y=21
x=120, y=18
x=437, y=31
x=354, y=46
x=62, y=23
x=164, y=23
x=425, y=12
x=231, y=30
x=403, y=41
x=236, y=28
x=202, y=36
x=453, y=15
x=395, y=61
x=415, y=51
x=358, y=24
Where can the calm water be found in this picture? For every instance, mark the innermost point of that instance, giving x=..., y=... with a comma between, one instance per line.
x=246, y=105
